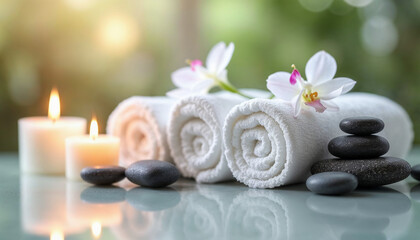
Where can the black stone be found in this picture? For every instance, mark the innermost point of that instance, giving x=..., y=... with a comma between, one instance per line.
x=355, y=147
x=362, y=125
x=332, y=183
x=103, y=175
x=415, y=172
x=152, y=173
x=370, y=173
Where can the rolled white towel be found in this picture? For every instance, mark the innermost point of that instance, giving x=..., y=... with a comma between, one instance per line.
x=267, y=147
x=140, y=122
x=195, y=135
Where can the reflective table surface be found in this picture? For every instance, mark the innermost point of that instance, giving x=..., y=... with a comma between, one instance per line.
x=42, y=207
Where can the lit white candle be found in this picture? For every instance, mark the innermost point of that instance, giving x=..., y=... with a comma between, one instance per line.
x=42, y=139
x=90, y=150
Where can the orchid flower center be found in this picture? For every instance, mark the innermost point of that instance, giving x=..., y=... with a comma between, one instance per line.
x=310, y=96
x=194, y=64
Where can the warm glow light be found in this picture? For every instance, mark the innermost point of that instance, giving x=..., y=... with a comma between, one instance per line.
x=118, y=34
x=54, y=106
x=57, y=235
x=94, y=129
x=96, y=229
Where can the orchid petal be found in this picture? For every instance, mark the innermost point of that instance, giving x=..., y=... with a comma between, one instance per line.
x=223, y=76
x=329, y=87
x=278, y=83
x=179, y=93
x=330, y=105
x=317, y=105
x=185, y=77
x=219, y=57
x=297, y=104
x=195, y=63
x=347, y=83
x=332, y=94
x=203, y=86
x=294, y=77
x=320, y=67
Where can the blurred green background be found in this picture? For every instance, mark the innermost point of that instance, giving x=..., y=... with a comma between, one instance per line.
x=99, y=52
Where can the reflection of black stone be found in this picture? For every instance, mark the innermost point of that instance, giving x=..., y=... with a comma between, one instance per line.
x=356, y=223
x=392, y=203
x=363, y=235
x=103, y=194
x=415, y=193
x=381, y=202
x=147, y=199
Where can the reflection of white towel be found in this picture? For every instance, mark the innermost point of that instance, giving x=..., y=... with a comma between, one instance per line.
x=267, y=147
x=257, y=214
x=140, y=122
x=195, y=135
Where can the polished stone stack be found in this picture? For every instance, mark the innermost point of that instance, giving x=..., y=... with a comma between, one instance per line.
x=360, y=154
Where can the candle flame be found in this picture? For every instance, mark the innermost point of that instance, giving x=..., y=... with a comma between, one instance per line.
x=54, y=106
x=57, y=235
x=94, y=129
x=96, y=229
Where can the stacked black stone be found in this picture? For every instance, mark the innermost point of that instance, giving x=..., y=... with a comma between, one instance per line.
x=360, y=154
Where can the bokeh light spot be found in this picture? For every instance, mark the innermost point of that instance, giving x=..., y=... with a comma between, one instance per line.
x=23, y=84
x=379, y=36
x=358, y=3
x=315, y=6
x=118, y=34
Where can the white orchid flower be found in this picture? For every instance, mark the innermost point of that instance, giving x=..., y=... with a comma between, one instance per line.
x=318, y=91
x=197, y=79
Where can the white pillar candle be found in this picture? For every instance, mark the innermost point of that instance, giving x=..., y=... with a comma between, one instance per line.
x=42, y=139
x=90, y=150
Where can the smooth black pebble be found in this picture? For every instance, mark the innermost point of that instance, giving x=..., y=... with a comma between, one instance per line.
x=103, y=175
x=354, y=147
x=152, y=173
x=415, y=172
x=362, y=125
x=369, y=173
x=332, y=183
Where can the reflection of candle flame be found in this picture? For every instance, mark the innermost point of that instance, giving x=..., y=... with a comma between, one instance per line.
x=57, y=235
x=94, y=129
x=96, y=229
x=54, y=106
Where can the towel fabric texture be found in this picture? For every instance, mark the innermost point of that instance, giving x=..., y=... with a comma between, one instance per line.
x=140, y=123
x=267, y=147
x=195, y=135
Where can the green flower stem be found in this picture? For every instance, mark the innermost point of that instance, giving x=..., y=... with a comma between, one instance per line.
x=230, y=88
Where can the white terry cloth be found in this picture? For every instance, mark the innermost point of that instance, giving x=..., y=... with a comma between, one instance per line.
x=267, y=147
x=195, y=135
x=140, y=123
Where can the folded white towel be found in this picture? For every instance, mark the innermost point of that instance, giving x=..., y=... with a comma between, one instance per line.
x=195, y=135
x=140, y=122
x=267, y=147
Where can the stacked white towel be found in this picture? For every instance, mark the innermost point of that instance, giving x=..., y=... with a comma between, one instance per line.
x=195, y=135
x=140, y=122
x=267, y=147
